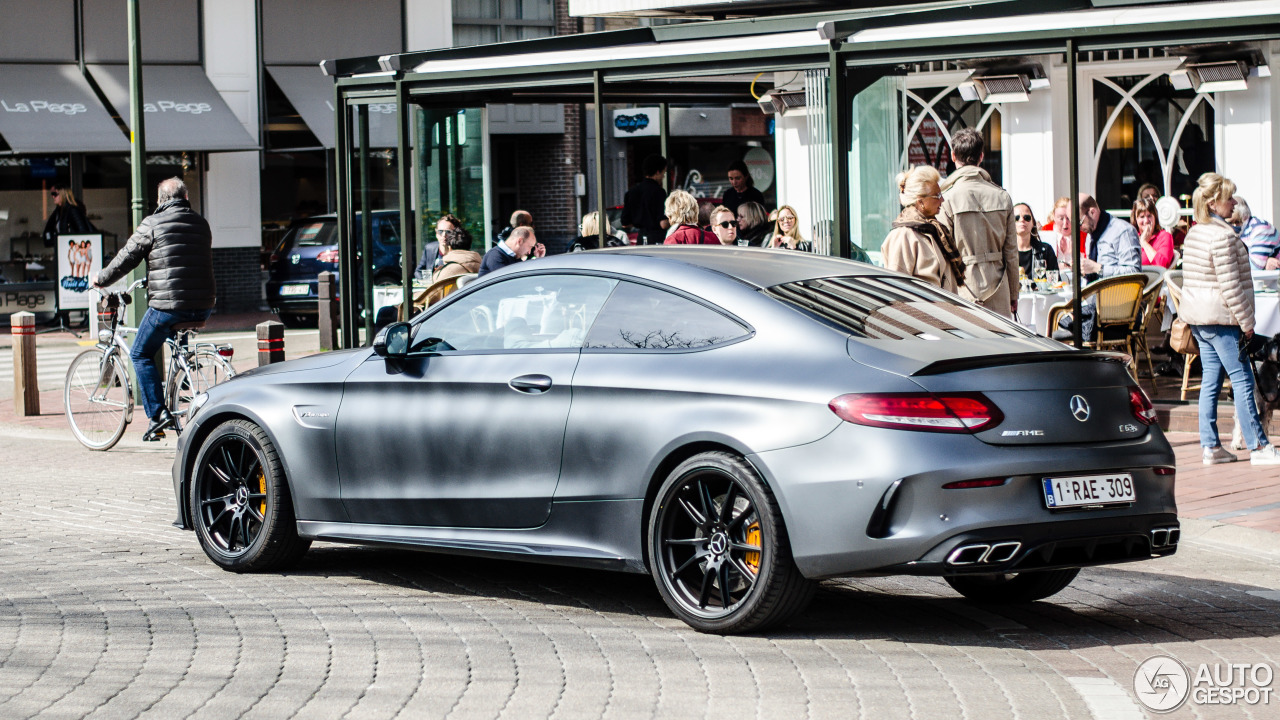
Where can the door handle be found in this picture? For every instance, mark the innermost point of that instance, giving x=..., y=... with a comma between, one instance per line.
x=532, y=384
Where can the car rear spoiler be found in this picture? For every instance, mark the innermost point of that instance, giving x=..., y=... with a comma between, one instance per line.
x=982, y=361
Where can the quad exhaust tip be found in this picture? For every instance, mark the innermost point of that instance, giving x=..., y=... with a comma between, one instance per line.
x=984, y=554
x=1165, y=537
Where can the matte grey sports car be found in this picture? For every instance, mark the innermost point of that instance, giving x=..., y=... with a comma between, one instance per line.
x=736, y=422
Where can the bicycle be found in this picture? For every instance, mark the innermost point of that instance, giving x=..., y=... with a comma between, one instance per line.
x=98, y=392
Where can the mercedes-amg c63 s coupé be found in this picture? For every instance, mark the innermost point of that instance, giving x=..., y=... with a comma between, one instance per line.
x=738, y=423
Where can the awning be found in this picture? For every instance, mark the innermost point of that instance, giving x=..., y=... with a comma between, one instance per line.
x=310, y=92
x=51, y=108
x=183, y=109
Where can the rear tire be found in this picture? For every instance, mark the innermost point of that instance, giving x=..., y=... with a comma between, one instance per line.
x=240, y=502
x=98, y=402
x=1010, y=589
x=208, y=368
x=718, y=548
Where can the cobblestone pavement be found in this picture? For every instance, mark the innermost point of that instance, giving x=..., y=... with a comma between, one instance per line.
x=108, y=611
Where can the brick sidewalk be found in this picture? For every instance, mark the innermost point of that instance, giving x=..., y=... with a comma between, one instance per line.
x=1235, y=493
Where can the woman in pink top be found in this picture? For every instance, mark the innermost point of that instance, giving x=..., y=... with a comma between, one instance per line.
x=1156, y=242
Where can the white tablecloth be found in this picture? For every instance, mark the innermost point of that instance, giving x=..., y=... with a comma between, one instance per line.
x=1033, y=309
x=1266, y=313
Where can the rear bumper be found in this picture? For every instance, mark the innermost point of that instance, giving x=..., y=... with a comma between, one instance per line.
x=842, y=519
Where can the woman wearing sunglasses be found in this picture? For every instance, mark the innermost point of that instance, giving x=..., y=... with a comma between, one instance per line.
x=67, y=218
x=1031, y=250
x=786, y=232
x=919, y=245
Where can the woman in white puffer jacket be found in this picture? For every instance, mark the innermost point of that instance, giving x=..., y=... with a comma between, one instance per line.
x=1217, y=302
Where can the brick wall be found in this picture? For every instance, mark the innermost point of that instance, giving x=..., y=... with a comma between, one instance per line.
x=238, y=274
x=548, y=163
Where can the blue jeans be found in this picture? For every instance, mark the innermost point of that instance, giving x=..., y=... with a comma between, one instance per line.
x=1220, y=349
x=155, y=328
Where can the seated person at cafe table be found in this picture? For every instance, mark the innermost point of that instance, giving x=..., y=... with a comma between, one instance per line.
x=458, y=257
x=1031, y=251
x=1112, y=249
x=1258, y=235
x=519, y=245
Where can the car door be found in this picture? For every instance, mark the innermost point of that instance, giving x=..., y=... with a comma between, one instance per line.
x=468, y=430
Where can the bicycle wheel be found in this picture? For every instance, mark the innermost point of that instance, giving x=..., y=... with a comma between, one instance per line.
x=98, y=399
x=207, y=368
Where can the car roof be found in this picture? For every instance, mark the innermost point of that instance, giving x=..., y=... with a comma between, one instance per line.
x=755, y=266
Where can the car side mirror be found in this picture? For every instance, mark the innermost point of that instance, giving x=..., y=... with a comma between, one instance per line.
x=393, y=340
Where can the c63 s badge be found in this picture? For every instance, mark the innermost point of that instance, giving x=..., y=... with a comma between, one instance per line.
x=1128, y=428
x=1022, y=433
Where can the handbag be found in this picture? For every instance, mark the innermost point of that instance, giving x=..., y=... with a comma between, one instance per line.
x=1182, y=340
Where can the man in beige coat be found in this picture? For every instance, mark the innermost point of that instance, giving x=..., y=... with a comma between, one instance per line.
x=979, y=215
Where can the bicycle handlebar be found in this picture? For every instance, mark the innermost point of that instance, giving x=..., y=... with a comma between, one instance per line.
x=127, y=292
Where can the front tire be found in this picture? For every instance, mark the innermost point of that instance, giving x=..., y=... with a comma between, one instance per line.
x=1004, y=589
x=719, y=551
x=97, y=398
x=240, y=501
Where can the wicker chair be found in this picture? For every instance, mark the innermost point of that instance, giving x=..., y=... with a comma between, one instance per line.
x=1118, y=303
x=1150, y=314
x=1173, y=281
x=423, y=298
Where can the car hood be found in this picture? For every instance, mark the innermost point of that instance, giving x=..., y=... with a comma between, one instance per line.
x=310, y=362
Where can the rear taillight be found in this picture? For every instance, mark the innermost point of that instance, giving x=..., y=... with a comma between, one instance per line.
x=955, y=413
x=1141, y=406
x=1168, y=471
x=226, y=351
x=275, y=258
x=328, y=256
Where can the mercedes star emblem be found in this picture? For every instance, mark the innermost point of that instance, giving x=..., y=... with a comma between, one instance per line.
x=1080, y=408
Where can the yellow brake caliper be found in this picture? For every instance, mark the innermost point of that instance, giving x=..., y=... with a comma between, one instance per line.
x=753, y=538
x=262, y=488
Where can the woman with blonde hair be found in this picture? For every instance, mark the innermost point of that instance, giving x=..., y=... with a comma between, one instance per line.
x=786, y=231
x=1217, y=302
x=919, y=245
x=68, y=216
x=590, y=229
x=681, y=210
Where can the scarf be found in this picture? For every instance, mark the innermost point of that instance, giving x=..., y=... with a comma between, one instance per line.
x=912, y=218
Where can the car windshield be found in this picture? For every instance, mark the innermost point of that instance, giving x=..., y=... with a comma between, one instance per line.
x=893, y=308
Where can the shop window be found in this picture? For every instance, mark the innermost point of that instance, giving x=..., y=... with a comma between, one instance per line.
x=476, y=22
x=931, y=115
x=449, y=163
x=1148, y=132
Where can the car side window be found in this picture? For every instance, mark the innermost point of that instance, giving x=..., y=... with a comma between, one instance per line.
x=540, y=311
x=638, y=317
x=389, y=230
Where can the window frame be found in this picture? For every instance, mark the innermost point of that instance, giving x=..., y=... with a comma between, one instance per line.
x=423, y=317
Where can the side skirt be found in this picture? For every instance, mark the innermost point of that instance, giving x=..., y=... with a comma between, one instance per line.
x=603, y=534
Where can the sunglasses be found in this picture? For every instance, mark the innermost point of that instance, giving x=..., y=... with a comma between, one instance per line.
x=728, y=223
x=1025, y=218
x=53, y=194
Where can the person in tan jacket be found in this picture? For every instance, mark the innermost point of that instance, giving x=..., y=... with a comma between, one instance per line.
x=979, y=215
x=458, y=259
x=1217, y=302
x=919, y=245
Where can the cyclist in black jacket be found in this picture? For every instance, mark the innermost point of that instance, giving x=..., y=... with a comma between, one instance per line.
x=178, y=247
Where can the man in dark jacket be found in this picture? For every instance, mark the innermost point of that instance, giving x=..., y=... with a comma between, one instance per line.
x=178, y=247
x=642, y=205
x=520, y=245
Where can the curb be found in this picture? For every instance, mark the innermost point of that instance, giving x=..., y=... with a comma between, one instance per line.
x=1260, y=544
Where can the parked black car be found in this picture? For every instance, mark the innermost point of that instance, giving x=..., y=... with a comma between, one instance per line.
x=311, y=247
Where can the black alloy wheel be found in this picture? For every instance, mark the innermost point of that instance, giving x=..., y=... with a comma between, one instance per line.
x=240, y=502
x=718, y=548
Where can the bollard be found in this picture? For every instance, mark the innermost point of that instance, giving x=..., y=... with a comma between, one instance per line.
x=26, y=392
x=270, y=342
x=328, y=322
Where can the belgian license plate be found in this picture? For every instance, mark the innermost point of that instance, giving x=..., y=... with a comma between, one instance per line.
x=295, y=289
x=1082, y=490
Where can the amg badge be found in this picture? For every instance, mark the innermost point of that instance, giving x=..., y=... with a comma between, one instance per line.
x=1023, y=433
